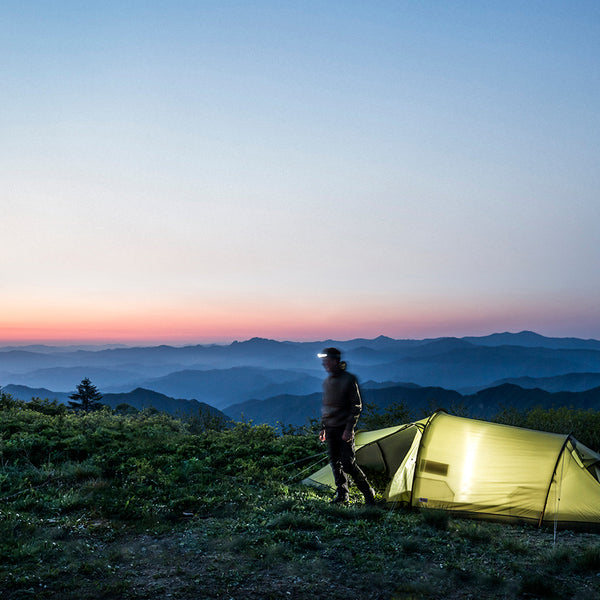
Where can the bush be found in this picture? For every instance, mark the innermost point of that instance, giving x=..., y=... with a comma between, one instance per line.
x=584, y=425
x=393, y=414
x=436, y=518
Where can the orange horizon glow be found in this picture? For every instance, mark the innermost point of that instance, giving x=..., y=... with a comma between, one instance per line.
x=223, y=325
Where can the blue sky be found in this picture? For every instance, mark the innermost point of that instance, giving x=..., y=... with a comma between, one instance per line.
x=205, y=171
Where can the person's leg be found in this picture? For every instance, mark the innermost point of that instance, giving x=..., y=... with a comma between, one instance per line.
x=335, y=449
x=348, y=460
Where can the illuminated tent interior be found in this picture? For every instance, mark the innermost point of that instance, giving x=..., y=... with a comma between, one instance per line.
x=483, y=470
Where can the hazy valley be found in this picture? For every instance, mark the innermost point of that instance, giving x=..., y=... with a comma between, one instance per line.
x=270, y=381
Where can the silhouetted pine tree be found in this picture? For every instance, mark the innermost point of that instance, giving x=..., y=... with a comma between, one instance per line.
x=87, y=397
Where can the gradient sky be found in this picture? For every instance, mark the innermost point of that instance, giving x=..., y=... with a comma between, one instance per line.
x=197, y=171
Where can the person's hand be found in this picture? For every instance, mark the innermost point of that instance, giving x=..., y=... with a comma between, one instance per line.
x=348, y=436
x=322, y=435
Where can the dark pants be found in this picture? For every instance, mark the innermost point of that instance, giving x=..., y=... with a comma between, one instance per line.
x=343, y=463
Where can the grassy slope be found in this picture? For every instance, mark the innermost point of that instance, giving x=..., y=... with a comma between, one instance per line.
x=106, y=506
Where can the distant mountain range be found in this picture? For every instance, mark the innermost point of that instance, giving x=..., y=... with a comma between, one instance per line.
x=299, y=410
x=222, y=387
x=571, y=382
x=241, y=374
x=138, y=398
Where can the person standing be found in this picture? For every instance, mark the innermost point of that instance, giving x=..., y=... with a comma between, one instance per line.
x=340, y=411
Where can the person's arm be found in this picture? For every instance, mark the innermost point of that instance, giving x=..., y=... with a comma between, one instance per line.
x=355, y=409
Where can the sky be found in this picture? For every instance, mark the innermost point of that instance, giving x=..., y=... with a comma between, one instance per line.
x=206, y=171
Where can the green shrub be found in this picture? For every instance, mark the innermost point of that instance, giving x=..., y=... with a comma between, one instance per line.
x=474, y=532
x=436, y=518
x=538, y=584
x=589, y=559
x=584, y=425
x=292, y=521
x=373, y=418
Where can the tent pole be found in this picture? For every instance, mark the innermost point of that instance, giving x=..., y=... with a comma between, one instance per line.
x=412, y=489
x=567, y=439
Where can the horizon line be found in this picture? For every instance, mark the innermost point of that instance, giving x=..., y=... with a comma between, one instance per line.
x=91, y=343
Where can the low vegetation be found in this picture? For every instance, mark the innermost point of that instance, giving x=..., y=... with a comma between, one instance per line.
x=107, y=505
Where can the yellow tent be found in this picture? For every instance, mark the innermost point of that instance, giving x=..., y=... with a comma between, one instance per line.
x=483, y=470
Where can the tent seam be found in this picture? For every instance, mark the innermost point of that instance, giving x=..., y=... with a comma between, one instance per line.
x=563, y=448
x=425, y=428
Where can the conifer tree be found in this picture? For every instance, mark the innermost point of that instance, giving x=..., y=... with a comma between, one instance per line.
x=87, y=397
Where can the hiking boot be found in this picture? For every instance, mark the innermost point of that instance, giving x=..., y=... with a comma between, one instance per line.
x=370, y=497
x=340, y=499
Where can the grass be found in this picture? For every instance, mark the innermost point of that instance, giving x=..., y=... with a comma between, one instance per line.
x=136, y=507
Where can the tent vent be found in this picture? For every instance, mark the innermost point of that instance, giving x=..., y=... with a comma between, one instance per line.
x=435, y=468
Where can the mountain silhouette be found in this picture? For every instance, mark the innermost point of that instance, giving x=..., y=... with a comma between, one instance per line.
x=259, y=368
x=485, y=404
x=141, y=398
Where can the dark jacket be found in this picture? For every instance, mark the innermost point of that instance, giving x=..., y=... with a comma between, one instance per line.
x=341, y=401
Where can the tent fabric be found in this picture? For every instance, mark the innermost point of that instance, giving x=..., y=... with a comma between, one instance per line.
x=483, y=470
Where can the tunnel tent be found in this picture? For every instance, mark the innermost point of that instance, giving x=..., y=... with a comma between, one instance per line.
x=483, y=470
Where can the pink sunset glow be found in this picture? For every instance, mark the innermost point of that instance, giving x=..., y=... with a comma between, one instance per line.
x=225, y=324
